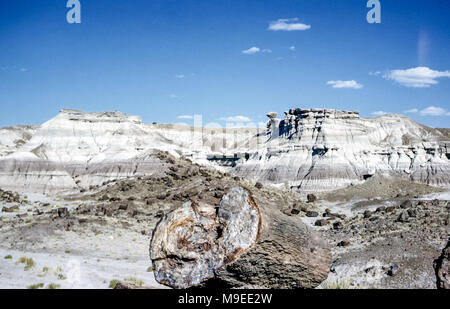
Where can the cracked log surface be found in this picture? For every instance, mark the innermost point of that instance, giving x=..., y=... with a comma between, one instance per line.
x=242, y=242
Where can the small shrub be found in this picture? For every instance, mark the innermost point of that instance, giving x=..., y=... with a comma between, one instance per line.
x=67, y=251
x=62, y=277
x=134, y=281
x=45, y=270
x=53, y=286
x=8, y=257
x=36, y=286
x=29, y=262
x=343, y=284
x=150, y=269
x=113, y=283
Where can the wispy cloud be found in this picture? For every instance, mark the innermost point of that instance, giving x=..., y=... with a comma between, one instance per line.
x=292, y=48
x=420, y=77
x=251, y=50
x=13, y=69
x=288, y=24
x=434, y=111
x=173, y=96
x=376, y=73
x=379, y=113
x=411, y=111
x=339, y=84
x=180, y=76
x=255, y=50
x=236, y=119
x=185, y=117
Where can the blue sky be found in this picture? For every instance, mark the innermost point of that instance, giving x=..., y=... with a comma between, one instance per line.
x=161, y=59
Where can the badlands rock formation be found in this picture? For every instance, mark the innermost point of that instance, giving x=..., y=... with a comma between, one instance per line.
x=308, y=150
x=12, y=138
x=317, y=149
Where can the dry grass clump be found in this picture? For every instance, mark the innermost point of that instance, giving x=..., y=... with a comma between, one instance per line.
x=134, y=281
x=343, y=284
x=29, y=262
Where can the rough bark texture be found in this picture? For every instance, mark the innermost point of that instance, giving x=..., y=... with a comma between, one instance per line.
x=244, y=242
x=442, y=267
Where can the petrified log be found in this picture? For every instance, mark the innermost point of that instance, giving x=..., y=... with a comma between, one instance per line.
x=442, y=268
x=243, y=242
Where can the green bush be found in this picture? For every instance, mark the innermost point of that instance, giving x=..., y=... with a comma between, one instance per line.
x=53, y=286
x=134, y=281
x=113, y=283
x=29, y=262
x=36, y=286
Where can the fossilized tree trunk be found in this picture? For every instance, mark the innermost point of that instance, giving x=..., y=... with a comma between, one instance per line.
x=243, y=242
x=442, y=268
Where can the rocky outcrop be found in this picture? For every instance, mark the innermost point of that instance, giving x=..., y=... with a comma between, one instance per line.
x=308, y=150
x=78, y=149
x=320, y=149
x=241, y=243
x=442, y=268
x=13, y=138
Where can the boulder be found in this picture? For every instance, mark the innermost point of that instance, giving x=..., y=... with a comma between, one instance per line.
x=322, y=222
x=10, y=209
x=344, y=243
x=368, y=214
x=404, y=217
x=406, y=204
x=393, y=270
x=312, y=214
x=311, y=198
x=63, y=212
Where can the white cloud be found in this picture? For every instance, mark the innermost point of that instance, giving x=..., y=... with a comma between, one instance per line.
x=236, y=119
x=288, y=24
x=180, y=76
x=23, y=70
x=379, y=113
x=339, y=84
x=173, y=96
x=185, y=117
x=411, y=111
x=376, y=73
x=268, y=51
x=251, y=50
x=420, y=77
x=292, y=48
x=434, y=111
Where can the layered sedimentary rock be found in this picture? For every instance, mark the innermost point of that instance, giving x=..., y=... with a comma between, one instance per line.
x=239, y=243
x=317, y=149
x=12, y=138
x=307, y=150
x=78, y=149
